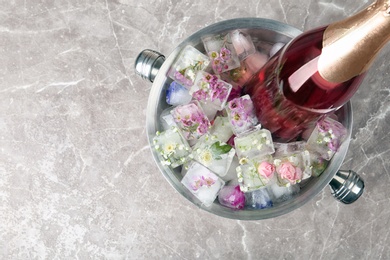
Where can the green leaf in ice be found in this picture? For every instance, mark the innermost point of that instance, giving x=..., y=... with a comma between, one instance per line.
x=218, y=149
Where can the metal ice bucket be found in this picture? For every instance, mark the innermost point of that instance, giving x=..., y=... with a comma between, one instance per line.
x=151, y=65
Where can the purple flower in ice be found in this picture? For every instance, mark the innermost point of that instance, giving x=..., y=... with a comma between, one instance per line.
x=225, y=54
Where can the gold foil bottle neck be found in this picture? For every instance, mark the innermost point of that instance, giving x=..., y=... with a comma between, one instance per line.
x=351, y=45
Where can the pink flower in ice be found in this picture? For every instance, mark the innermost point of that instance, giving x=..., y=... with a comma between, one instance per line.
x=225, y=54
x=266, y=170
x=289, y=172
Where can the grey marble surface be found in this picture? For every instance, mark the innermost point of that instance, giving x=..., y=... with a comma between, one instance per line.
x=77, y=180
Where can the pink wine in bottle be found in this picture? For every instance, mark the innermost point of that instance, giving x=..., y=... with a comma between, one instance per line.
x=318, y=71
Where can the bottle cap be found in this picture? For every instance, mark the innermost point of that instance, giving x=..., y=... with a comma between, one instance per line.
x=148, y=63
x=347, y=186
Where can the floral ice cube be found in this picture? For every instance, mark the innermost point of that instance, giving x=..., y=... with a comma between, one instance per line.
x=280, y=194
x=243, y=44
x=232, y=197
x=177, y=94
x=239, y=75
x=203, y=183
x=191, y=120
x=317, y=164
x=210, y=90
x=221, y=129
x=254, y=143
x=171, y=147
x=258, y=199
x=255, y=174
x=241, y=114
x=327, y=137
x=290, y=169
x=187, y=64
x=215, y=155
x=222, y=54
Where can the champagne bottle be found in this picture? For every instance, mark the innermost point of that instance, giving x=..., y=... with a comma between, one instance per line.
x=318, y=71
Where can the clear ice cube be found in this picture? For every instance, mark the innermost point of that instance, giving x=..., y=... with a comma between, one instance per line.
x=280, y=194
x=243, y=44
x=258, y=199
x=221, y=129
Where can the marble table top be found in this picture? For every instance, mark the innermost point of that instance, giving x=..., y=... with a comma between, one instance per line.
x=77, y=180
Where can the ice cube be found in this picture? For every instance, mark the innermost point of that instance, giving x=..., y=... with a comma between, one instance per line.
x=171, y=147
x=187, y=64
x=275, y=48
x=327, y=137
x=222, y=54
x=280, y=194
x=255, y=174
x=239, y=75
x=241, y=114
x=166, y=119
x=243, y=44
x=231, y=175
x=255, y=62
x=210, y=90
x=317, y=163
x=232, y=197
x=256, y=143
x=290, y=169
x=221, y=129
x=177, y=94
x=288, y=148
x=258, y=199
x=203, y=183
x=213, y=154
x=191, y=120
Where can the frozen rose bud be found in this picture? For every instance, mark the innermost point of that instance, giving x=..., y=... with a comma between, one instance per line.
x=187, y=64
x=243, y=44
x=232, y=197
x=221, y=52
x=288, y=173
x=249, y=176
x=266, y=170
